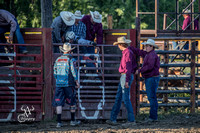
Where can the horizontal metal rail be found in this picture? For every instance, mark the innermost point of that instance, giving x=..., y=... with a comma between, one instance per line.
x=175, y=78
x=176, y=65
x=171, y=91
x=172, y=52
x=170, y=38
x=167, y=105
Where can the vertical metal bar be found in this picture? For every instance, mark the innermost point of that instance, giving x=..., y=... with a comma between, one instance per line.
x=177, y=15
x=198, y=68
x=156, y=16
x=199, y=11
x=166, y=61
x=103, y=79
x=79, y=73
x=193, y=65
x=198, y=49
x=133, y=89
x=141, y=83
x=192, y=15
x=138, y=86
x=41, y=77
x=178, y=23
x=15, y=75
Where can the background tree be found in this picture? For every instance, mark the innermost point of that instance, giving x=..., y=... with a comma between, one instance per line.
x=46, y=13
x=28, y=12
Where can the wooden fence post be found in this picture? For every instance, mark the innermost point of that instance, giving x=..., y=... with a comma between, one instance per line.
x=165, y=84
x=48, y=52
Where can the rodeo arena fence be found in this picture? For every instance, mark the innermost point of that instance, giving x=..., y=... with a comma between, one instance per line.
x=27, y=84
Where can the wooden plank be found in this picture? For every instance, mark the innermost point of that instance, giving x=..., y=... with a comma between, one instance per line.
x=156, y=16
x=153, y=32
x=109, y=20
x=137, y=8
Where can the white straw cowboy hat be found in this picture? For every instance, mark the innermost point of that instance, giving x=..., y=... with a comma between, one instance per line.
x=78, y=15
x=186, y=11
x=150, y=42
x=66, y=47
x=96, y=16
x=122, y=40
x=68, y=18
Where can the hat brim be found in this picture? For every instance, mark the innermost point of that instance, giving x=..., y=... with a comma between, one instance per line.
x=79, y=17
x=154, y=45
x=68, y=23
x=61, y=49
x=94, y=19
x=126, y=42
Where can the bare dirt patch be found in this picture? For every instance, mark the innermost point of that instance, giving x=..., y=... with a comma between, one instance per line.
x=168, y=123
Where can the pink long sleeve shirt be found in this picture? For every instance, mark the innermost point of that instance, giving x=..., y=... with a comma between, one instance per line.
x=128, y=63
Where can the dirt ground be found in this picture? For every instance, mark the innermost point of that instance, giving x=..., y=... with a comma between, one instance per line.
x=167, y=123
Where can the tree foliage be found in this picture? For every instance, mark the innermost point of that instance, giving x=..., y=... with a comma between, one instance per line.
x=28, y=12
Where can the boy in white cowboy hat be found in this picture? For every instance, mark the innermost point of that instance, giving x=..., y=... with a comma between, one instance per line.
x=66, y=78
x=150, y=72
x=79, y=27
x=127, y=69
x=60, y=25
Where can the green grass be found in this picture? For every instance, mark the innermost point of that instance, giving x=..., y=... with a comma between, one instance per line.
x=162, y=114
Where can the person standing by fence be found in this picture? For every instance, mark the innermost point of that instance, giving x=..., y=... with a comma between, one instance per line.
x=150, y=72
x=66, y=77
x=127, y=69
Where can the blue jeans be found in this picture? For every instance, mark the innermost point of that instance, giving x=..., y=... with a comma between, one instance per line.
x=151, y=88
x=20, y=39
x=123, y=94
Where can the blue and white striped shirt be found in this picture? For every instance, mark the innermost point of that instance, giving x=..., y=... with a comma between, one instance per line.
x=79, y=30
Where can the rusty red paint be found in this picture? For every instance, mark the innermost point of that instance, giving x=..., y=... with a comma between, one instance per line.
x=91, y=95
x=28, y=86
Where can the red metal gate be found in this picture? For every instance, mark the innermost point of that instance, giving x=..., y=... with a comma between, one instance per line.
x=21, y=80
x=26, y=85
x=97, y=91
